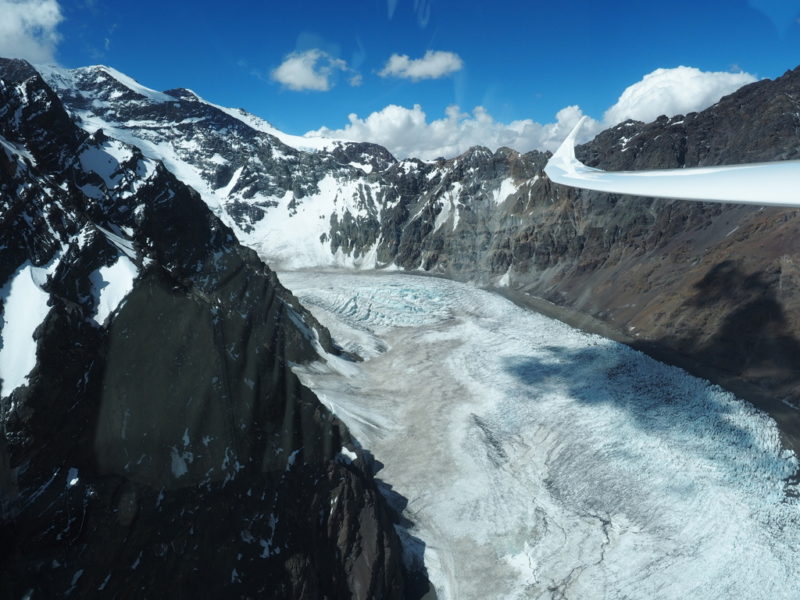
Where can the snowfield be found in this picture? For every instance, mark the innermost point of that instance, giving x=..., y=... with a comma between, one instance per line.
x=24, y=308
x=539, y=461
x=110, y=286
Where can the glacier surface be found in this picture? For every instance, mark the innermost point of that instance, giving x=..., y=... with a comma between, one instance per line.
x=539, y=461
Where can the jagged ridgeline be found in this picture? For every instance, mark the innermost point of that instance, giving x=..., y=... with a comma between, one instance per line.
x=154, y=441
x=715, y=288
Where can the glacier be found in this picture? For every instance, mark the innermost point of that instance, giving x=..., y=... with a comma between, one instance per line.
x=539, y=461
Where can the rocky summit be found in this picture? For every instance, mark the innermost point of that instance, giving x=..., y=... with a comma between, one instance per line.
x=155, y=441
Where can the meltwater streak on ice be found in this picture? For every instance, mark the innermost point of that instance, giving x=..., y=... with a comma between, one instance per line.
x=542, y=462
x=764, y=184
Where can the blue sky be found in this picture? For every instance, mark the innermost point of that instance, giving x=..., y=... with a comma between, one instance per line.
x=518, y=60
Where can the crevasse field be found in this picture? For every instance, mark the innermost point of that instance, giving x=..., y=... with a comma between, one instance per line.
x=539, y=461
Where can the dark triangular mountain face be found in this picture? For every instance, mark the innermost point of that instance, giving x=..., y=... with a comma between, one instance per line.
x=155, y=440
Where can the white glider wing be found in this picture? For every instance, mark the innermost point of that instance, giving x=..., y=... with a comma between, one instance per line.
x=765, y=184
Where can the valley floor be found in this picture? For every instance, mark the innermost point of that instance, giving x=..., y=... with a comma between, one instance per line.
x=541, y=461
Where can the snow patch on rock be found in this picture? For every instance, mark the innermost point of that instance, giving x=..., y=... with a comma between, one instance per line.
x=110, y=285
x=24, y=309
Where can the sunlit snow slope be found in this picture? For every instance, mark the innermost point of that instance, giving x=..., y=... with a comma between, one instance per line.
x=539, y=461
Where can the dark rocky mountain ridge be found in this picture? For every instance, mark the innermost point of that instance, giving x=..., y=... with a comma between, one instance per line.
x=162, y=445
x=647, y=268
x=710, y=286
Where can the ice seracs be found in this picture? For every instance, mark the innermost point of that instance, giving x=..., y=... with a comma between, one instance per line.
x=536, y=457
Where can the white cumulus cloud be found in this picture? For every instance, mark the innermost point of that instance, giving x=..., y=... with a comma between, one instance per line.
x=311, y=70
x=408, y=132
x=433, y=65
x=673, y=91
x=28, y=29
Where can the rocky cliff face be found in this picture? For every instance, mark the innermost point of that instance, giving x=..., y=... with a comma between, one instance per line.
x=154, y=439
x=713, y=285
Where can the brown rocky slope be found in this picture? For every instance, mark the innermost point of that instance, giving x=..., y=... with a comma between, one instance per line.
x=712, y=287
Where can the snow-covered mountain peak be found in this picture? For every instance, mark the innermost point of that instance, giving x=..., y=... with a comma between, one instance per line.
x=298, y=142
x=100, y=71
x=184, y=94
x=300, y=201
x=107, y=83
